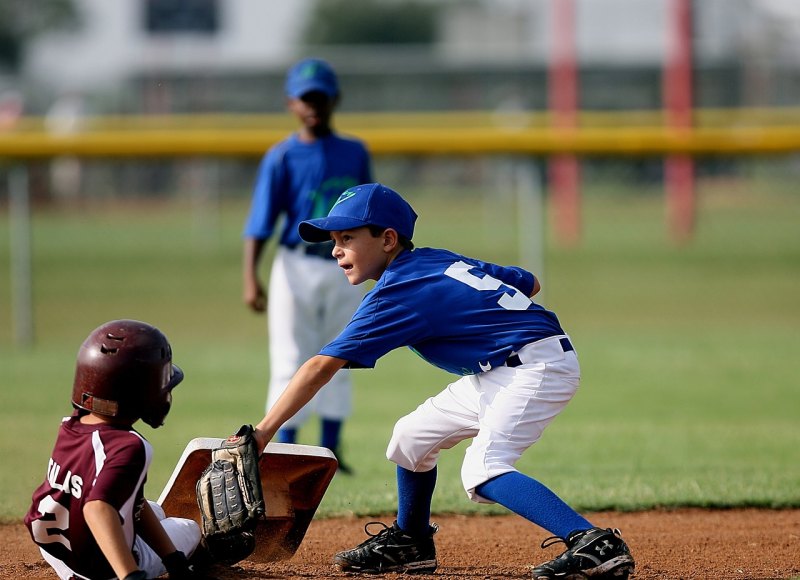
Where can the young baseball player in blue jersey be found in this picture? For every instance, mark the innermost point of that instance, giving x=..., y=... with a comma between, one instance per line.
x=518, y=370
x=309, y=300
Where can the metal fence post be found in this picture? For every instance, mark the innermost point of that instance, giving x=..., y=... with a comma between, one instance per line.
x=21, y=269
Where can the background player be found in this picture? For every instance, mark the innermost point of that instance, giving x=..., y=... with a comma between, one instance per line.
x=472, y=318
x=89, y=517
x=309, y=300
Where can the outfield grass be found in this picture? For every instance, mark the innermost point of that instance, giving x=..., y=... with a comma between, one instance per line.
x=689, y=353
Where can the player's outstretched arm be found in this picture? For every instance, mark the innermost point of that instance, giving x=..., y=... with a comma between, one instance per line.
x=103, y=521
x=309, y=378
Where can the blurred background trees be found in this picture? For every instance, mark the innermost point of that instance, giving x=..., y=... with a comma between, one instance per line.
x=21, y=21
x=372, y=22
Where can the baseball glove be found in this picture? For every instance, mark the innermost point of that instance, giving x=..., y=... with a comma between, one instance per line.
x=230, y=498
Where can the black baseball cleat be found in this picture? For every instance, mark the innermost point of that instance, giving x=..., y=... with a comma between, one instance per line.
x=390, y=550
x=594, y=553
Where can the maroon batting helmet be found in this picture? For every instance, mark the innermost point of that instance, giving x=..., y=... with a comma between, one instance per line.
x=125, y=370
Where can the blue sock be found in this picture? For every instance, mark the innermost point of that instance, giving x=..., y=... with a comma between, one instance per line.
x=286, y=435
x=533, y=501
x=330, y=433
x=414, y=495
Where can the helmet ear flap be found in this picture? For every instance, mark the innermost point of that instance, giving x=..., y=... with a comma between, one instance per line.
x=157, y=411
x=155, y=414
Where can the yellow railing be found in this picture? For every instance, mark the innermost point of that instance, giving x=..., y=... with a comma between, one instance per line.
x=631, y=133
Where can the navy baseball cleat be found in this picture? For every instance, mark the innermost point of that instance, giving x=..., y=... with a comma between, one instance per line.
x=390, y=550
x=594, y=553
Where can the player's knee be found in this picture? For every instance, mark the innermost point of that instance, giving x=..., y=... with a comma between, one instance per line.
x=193, y=536
x=157, y=510
x=184, y=533
x=479, y=467
x=471, y=480
x=401, y=449
x=406, y=450
x=468, y=480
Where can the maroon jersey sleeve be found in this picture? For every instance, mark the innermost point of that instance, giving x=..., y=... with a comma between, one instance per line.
x=123, y=469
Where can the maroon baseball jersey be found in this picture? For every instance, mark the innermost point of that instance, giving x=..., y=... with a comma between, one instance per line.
x=89, y=462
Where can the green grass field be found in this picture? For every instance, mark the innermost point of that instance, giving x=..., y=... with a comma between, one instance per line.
x=689, y=353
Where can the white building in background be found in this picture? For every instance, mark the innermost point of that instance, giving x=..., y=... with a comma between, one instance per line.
x=115, y=43
x=118, y=40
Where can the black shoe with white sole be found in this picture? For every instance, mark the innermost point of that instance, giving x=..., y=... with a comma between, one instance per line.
x=390, y=550
x=594, y=553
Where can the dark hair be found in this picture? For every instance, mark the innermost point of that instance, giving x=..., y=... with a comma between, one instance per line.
x=377, y=231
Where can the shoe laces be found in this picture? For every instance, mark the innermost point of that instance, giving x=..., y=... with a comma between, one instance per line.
x=382, y=535
x=552, y=541
x=573, y=538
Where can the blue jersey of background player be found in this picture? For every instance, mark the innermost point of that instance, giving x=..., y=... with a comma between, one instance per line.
x=309, y=302
x=301, y=181
x=475, y=319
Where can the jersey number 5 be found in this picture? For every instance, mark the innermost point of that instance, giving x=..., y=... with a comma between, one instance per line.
x=516, y=300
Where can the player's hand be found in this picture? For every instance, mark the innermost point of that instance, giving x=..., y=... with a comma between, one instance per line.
x=254, y=296
x=261, y=438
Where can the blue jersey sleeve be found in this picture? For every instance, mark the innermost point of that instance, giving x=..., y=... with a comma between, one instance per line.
x=267, y=203
x=378, y=327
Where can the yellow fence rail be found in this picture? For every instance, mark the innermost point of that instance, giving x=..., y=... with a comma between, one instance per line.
x=630, y=133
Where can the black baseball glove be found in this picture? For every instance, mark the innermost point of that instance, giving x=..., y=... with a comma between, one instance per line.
x=230, y=498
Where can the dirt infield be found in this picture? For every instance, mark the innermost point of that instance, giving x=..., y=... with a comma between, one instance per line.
x=680, y=544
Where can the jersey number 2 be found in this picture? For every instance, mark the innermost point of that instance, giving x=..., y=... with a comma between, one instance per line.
x=51, y=527
x=461, y=271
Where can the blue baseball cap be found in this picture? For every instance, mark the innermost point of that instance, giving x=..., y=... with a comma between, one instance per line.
x=370, y=204
x=311, y=74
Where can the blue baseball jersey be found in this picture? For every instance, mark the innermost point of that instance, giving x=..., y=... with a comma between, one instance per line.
x=302, y=181
x=460, y=314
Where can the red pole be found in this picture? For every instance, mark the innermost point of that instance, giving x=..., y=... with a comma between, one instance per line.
x=679, y=179
x=564, y=170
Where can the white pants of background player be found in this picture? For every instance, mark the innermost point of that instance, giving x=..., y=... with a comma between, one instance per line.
x=504, y=411
x=310, y=302
x=184, y=533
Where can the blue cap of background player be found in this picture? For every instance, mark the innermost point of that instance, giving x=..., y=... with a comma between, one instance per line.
x=371, y=204
x=311, y=74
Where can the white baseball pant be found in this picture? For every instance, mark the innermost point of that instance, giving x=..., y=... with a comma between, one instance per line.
x=504, y=411
x=310, y=302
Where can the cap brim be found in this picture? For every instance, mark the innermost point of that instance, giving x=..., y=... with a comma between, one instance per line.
x=319, y=230
x=298, y=92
